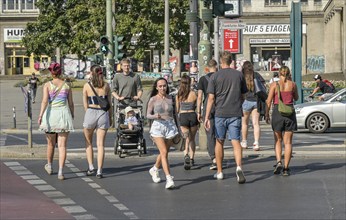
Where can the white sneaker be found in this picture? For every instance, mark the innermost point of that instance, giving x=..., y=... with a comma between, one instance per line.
x=169, y=182
x=48, y=169
x=243, y=144
x=256, y=146
x=240, y=175
x=218, y=176
x=155, y=175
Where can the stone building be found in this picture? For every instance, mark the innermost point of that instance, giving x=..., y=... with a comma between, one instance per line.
x=266, y=38
x=265, y=41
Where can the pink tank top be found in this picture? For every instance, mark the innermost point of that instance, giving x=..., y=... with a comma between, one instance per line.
x=286, y=97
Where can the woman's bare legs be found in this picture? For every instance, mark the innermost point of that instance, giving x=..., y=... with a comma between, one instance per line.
x=162, y=159
x=88, y=134
x=100, y=138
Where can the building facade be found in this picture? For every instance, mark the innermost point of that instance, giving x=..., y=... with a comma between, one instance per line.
x=14, y=15
x=266, y=37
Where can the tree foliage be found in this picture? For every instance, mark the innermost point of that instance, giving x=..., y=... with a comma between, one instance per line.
x=75, y=26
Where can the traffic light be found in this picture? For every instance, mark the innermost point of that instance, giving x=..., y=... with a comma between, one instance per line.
x=104, y=42
x=226, y=8
x=119, y=47
x=96, y=59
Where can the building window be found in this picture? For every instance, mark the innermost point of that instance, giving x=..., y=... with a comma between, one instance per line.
x=304, y=2
x=26, y=62
x=10, y=4
x=247, y=2
x=28, y=4
x=275, y=3
x=317, y=2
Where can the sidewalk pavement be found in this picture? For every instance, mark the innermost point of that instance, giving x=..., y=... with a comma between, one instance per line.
x=39, y=151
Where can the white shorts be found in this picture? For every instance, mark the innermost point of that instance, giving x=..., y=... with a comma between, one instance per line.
x=165, y=129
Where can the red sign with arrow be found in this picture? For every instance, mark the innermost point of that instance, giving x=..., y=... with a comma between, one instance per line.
x=231, y=41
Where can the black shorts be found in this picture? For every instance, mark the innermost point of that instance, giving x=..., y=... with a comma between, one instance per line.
x=188, y=119
x=281, y=123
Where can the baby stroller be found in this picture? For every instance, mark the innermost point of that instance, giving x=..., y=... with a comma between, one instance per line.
x=129, y=139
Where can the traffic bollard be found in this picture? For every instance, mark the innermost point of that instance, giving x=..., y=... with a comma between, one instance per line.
x=14, y=117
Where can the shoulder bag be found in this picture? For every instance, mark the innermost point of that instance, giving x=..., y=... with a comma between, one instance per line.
x=103, y=102
x=285, y=110
x=260, y=89
x=178, y=138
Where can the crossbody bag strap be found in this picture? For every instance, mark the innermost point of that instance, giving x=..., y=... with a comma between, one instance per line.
x=93, y=89
x=278, y=88
x=57, y=92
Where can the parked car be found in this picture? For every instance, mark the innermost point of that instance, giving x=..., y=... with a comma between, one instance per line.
x=321, y=115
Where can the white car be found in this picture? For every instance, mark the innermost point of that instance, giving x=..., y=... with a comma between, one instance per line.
x=319, y=116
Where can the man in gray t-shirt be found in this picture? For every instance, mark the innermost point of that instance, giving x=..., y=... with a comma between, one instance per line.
x=227, y=89
x=127, y=84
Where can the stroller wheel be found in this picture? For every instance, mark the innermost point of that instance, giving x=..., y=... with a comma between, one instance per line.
x=144, y=146
x=116, y=144
x=119, y=153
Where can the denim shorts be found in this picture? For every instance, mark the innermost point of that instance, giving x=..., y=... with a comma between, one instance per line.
x=232, y=125
x=165, y=129
x=248, y=106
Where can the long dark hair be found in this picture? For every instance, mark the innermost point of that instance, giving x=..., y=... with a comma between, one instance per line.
x=184, y=88
x=97, y=76
x=248, y=73
x=154, y=90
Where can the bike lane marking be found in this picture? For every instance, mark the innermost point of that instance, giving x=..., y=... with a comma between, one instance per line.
x=59, y=198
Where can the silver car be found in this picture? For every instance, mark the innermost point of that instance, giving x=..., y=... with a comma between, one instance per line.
x=319, y=116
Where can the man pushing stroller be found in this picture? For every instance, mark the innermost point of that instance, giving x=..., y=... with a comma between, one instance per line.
x=127, y=84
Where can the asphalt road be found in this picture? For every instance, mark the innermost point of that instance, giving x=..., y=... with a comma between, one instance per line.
x=315, y=190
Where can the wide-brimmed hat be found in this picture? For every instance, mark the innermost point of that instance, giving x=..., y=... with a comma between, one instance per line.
x=128, y=109
x=55, y=68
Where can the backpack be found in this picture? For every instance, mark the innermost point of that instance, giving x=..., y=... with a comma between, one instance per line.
x=329, y=84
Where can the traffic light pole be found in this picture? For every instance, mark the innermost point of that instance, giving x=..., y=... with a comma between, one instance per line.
x=204, y=45
x=193, y=32
x=296, y=46
x=204, y=55
x=109, y=61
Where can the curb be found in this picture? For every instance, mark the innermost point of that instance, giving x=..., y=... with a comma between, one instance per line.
x=39, y=152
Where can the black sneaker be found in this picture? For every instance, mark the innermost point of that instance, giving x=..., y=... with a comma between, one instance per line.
x=90, y=172
x=278, y=167
x=213, y=166
x=187, y=162
x=99, y=175
x=192, y=162
x=286, y=172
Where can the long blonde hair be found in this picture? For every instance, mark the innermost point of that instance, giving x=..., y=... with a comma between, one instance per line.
x=285, y=71
x=248, y=73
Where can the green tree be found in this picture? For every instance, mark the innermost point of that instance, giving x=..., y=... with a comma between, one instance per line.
x=143, y=22
x=75, y=26
x=71, y=25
